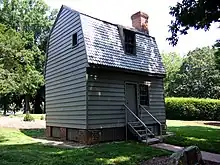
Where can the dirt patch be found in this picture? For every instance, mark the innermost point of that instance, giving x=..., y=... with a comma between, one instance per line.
x=213, y=123
x=164, y=160
x=8, y=122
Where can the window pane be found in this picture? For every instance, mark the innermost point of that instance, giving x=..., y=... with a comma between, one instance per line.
x=74, y=39
x=144, y=96
x=129, y=41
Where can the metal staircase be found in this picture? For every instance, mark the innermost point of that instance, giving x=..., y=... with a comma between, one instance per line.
x=140, y=129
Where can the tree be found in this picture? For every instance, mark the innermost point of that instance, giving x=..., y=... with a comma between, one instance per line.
x=17, y=65
x=172, y=62
x=217, y=54
x=10, y=44
x=198, y=76
x=33, y=20
x=198, y=14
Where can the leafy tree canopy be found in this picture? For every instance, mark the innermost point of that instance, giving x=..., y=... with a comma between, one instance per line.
x=33, y=19
x=18, y=73
x=172, y=63
x=197, y=76
x=198, y=14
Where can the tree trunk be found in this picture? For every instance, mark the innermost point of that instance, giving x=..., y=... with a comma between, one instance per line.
x=5, y=110
x=39, y=100
x=37, y=103
x=26, y=104
x=5, y=103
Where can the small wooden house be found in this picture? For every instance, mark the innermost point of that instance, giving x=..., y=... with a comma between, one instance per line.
x=103, y=80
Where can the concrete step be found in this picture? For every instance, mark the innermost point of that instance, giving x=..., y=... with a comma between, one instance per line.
x=151, y=141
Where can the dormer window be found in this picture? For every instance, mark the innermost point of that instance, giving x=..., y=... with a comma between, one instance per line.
x=74, y=40
x=129, y=42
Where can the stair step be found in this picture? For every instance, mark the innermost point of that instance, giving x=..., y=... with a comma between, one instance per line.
x=151, y=140
x=137, y=126
x=143, y=135
x=141, y=130
x=134, y=123
x=148, y=134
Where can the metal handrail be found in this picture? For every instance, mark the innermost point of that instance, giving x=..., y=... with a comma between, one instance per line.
x=135, y=116
x=153, y=118
x=128, y=110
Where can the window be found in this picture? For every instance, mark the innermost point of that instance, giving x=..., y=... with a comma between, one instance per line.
x=129, y=42
x=74, y=39
x=144, y=95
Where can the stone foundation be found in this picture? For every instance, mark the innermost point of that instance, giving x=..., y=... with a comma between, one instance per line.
x=90, y=136
x=48, y=131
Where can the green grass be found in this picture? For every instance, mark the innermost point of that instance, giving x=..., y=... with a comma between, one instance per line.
x=18, y=148
x=188, y=133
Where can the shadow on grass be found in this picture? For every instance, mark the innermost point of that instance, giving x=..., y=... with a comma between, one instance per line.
x=3, y=139
x=213, y=123
x=206, y=138
x=34, y=133
x=112, y=153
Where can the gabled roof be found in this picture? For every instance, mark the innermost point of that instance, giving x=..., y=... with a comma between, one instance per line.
x=104, y=47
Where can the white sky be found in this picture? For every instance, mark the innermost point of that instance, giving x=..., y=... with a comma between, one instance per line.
x=120, y=11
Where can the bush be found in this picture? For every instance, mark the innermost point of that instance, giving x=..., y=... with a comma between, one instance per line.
x=192, y=109
x=28, y=117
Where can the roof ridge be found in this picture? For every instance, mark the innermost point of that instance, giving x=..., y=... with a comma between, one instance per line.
x=107, y=22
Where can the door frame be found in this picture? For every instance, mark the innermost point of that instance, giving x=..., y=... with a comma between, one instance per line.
x=137, y=96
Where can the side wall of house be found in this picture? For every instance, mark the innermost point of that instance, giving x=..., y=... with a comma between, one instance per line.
x=66, y=75
x=106, y=96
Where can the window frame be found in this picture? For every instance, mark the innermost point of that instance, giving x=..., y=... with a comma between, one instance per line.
x=74, y=38
x=146, y=95
x=128, y=33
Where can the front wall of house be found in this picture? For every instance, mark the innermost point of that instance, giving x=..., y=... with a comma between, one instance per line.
x=106, y=96
x=66, y=74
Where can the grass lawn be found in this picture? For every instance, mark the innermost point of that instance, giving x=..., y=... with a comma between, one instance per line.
x=18, y=148
x=188, y=133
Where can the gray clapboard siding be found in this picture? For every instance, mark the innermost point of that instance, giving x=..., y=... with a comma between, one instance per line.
x=64, y=83
x=106, y=96
x=55, y=123
x=66, y=74
x=77, y=75
x=157, y=107
x=66, y=112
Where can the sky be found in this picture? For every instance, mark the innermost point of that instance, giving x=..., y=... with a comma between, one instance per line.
x=120, y=11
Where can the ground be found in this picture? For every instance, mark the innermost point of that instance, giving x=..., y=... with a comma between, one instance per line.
x=201, y=133
x=21, y=115
x=18, y=146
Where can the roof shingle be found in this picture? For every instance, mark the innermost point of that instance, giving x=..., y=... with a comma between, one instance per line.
x=104, y=47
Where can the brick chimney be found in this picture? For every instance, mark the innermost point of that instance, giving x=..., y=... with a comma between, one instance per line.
x=140, y=21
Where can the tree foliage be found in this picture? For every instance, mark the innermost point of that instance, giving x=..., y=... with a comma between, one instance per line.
x=33, y=18
x=217, y=54
x=29, y=21
x=197, y=76
x=198, y=14
x=19, y=74
x=172, y=62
